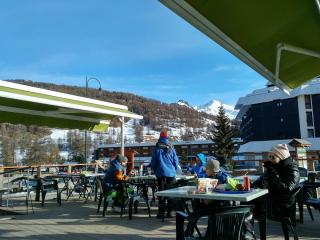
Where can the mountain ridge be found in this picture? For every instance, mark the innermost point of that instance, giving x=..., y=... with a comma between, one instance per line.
x=212, y=107
x=183, y=121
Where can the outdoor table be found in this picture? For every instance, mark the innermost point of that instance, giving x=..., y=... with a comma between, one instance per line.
x=142, y=183
x=75, y=178
x=251, y=177
x=150, y=181
x=153, y=177
x=188, y=192
x=66, y=178
x=255, y=177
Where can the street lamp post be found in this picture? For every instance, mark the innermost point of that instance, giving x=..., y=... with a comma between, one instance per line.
x=86, y=132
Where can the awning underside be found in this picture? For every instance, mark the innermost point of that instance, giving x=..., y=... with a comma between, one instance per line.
x=51, y=122
x=20, y=104
x=254, y=30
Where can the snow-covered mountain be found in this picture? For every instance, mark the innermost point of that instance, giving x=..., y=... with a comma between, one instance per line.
x=212, y=107
x=184, y=103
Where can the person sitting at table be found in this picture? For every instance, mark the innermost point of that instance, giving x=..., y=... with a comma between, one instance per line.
x=164, y=163
x=213, y=170
x=199, y=169
x=282, y=179
x=114, y=178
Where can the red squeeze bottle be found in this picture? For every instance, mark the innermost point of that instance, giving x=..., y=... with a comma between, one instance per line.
x=246, y=183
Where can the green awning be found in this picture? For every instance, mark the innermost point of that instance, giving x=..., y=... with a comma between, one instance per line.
x=20, y=104
x=280, y=39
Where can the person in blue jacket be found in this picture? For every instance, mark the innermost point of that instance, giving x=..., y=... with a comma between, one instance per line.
x=114, y=178
x=164, y=163
x=199, y=168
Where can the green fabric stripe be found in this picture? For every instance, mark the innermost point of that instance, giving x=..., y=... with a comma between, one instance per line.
x=65, y=100
x=43, y=107
x=26, y=119
x=26, y=105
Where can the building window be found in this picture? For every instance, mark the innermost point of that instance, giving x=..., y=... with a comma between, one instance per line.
x=307, y=101
x=309, y=119
x=194, y=146
x=184, y=146
x=310, y=133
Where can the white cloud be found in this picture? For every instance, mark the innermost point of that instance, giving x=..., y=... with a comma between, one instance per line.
x=229, y=68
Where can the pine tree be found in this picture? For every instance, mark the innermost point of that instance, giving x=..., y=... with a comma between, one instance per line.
x=222, y=137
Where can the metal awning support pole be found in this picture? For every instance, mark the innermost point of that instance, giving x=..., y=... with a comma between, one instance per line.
x=286, y=47
x=122, y=136
x=318, y=5
x=1, y=184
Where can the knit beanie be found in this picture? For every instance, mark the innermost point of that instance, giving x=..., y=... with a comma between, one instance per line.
x=281, y=151
x=121, y=158
x=202, y=158
x=213, y=165
x=164, y=134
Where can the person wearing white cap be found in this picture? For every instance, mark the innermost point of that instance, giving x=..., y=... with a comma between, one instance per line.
x=282, y=179
x=278, y=153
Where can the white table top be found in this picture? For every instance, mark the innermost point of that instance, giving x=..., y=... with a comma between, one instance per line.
x=252, y=177
x=66, y=175
x=255, y=177
x=153, y=177
x=186, y=192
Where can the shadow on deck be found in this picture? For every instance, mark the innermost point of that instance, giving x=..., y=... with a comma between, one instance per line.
x=76, y=220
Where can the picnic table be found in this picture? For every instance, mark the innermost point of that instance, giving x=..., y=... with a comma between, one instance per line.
x=182, y=194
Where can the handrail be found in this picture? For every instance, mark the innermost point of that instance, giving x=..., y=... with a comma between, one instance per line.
x=15, y=170
x=51, y=165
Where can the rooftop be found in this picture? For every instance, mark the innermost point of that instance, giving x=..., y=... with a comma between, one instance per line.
x=269, y=94
x=265, y=146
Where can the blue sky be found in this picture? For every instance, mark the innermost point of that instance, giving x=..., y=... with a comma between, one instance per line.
x=135, y=46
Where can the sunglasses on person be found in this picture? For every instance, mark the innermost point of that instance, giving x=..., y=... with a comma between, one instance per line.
x=271, y=157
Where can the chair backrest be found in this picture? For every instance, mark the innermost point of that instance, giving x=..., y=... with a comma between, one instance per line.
x=100, y=185
x=228, y=222
x=224, y=222
x=277, y=209
x=303, y=172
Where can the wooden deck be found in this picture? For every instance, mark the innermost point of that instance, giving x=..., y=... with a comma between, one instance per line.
x=76, y=220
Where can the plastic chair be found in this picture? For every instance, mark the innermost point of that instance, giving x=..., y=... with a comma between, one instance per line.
x=26, y=185
x=224, y=223
x=141, y=192
x=303, y=172
x=108, y=196
x=152, y=183
x=170, y=204
x=308, y=199
x=286, y=215
x=82, y=186
x=105, y=195
x=49, y=185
